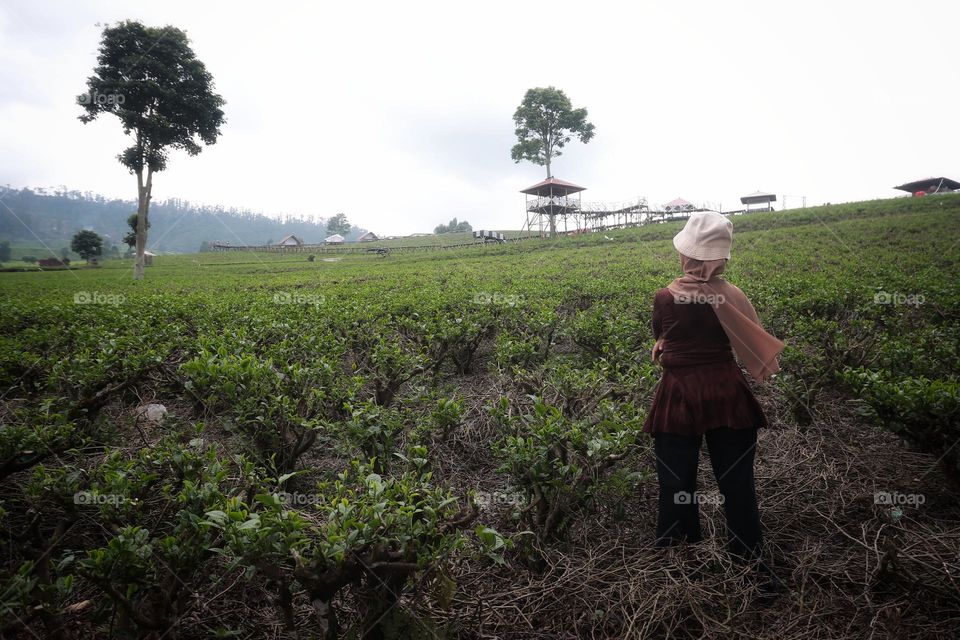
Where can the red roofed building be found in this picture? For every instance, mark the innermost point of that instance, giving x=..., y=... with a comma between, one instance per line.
x=678, y=206
x=930, y=185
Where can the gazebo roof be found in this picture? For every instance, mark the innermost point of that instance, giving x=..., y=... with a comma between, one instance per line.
x=553, y=186
x=929, y=184
x=679, y=202
x=757, y=197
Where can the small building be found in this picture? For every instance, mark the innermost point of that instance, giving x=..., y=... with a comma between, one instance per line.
x=148, y=258
x=334, y=239
x=489, y=236
x=54, y=262
x=930, y=185
x=291, y=241
x=759, y=201
x=369, y=236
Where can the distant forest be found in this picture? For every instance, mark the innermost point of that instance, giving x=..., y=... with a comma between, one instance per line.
x=53, y=216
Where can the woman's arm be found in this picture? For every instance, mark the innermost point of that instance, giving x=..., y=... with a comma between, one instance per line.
x=656, y=320
x=656, y=324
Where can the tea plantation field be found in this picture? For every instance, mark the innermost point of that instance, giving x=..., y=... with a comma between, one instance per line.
x=447, y=444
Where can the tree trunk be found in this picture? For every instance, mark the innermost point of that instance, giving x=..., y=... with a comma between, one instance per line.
x=143, y=207
x=547, y=149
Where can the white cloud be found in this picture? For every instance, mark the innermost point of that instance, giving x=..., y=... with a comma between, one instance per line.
x=399, y=114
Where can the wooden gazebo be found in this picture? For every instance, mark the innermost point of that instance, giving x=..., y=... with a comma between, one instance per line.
x=759, y=200
x=551, y=198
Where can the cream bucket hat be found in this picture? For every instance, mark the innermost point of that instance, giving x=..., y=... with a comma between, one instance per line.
x=706, y=236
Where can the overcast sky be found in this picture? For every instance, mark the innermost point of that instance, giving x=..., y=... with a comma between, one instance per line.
x=400, y=114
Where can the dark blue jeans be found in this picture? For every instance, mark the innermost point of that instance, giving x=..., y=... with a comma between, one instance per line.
x=731, y=454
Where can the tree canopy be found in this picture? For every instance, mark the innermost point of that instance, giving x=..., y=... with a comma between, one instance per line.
x=131, y=238
x=87, y=244
x=453, y=227
x=338, y=224
x=545, y=122
x=151, y=80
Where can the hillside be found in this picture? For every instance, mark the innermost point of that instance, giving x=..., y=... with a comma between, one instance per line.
x=447, y=443
x=439, y=239
x=35, y=220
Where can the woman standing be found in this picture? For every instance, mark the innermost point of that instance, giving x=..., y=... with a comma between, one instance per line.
x=699, y=322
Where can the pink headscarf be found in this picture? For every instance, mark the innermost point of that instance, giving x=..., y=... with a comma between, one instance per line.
x=756, y=349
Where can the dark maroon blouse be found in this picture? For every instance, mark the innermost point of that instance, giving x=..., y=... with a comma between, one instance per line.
x=701, y=387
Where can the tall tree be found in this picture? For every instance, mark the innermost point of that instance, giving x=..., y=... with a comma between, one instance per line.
x=338, y=224
x=163, y=95
x=546, y=121
x=87, y=244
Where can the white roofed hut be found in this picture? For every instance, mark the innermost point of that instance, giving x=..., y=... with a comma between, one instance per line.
x=759, y=200
x=290, y=241
x=334, y=239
